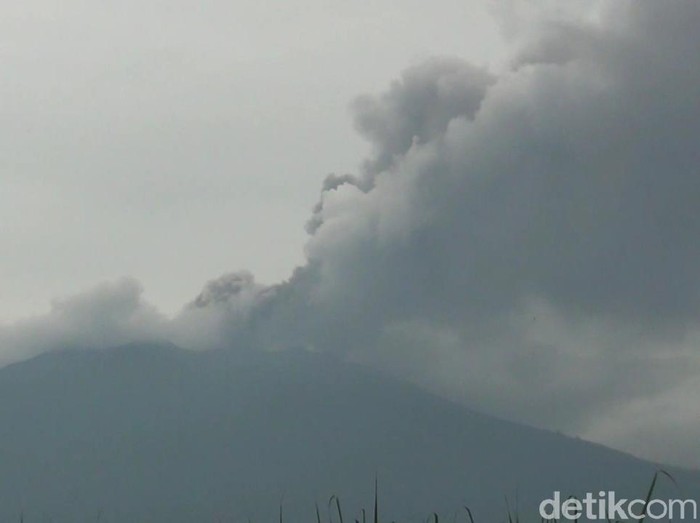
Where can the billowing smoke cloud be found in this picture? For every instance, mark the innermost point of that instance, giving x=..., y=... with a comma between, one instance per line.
x=116, y=314
x=108, y=315
x=525, y=241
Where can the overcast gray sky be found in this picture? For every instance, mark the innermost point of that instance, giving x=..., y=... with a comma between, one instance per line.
x=519, y=229
x=173, y=141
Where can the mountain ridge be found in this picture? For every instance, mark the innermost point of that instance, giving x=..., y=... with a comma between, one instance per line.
x=151, y=432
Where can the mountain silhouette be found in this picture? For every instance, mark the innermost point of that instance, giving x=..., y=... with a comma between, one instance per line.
x=153, y=433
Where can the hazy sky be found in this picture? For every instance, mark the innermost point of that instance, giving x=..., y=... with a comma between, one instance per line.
x=173, y=141
x=513, y=220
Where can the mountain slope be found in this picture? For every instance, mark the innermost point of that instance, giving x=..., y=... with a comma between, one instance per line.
x=153, y=433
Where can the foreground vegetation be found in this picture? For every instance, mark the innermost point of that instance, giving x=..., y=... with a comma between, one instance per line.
x=335, y=511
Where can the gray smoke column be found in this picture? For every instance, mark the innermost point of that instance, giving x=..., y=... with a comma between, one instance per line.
x=527, y=241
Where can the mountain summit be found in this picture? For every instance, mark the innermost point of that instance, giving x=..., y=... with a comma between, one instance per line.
x=153, y=433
